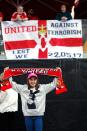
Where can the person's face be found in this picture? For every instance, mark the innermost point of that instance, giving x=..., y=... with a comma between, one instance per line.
x=32, y=81
x=63, y=8
x=20, y=9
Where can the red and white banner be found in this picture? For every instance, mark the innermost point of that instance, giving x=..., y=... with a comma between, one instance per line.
x=42, y=39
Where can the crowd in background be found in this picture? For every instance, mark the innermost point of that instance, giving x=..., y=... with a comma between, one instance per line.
x=20, y=13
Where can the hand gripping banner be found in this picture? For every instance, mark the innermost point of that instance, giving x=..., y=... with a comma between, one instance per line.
x=57, y=72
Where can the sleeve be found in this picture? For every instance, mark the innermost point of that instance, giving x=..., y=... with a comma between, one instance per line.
x=69, y=16
x=2, y=96
x=8, y=101
x=25, y=17
x=17, y=87
x=51, y=86
x=73, y=12
x=14, y=16
x=58, y=16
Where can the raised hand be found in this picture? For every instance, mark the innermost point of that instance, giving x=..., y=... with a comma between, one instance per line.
x=76, y=2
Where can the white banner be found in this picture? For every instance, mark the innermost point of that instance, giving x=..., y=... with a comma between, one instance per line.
x=42, y=39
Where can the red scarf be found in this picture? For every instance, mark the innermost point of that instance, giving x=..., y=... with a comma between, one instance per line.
x=43, y=71
x=5, y=85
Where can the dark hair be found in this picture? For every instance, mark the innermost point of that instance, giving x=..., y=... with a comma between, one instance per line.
x=29, y=86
